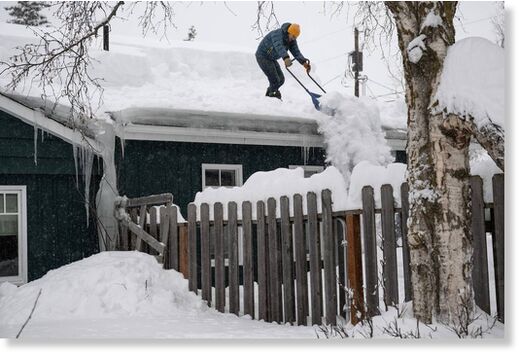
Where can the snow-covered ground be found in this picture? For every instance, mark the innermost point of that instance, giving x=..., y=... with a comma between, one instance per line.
x=129, y=295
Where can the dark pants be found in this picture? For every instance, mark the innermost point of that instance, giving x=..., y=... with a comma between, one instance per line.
x=273, y=72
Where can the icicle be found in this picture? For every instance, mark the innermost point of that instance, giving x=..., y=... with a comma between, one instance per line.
x=87, y=173
x=74, y=151
x=35, y=145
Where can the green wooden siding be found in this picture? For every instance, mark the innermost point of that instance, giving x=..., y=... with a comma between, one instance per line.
x=152, y=167
x=57, y=232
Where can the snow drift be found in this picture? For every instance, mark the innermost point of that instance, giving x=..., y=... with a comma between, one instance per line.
x=109, y=284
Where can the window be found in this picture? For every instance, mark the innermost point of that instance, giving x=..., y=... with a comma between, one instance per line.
x=309, y=169
x=216, y=175
x=13, y=234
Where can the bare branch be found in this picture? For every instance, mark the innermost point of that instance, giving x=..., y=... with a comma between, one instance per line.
x=59, y=62
x=266, y=18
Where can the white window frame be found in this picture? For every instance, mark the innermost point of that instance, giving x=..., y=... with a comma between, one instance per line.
x=21, y=191
x=312, y=168
x=238, y=168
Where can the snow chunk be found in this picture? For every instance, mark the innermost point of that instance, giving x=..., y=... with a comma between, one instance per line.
x=280, y=182
x=415, y=48
x=366, y=173
x=353, y=133
x=473, y=81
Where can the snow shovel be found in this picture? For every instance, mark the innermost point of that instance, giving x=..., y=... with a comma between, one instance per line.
x=315, y=97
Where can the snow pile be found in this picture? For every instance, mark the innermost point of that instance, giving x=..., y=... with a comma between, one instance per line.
x=353, y=133
x=473, y=81
x=367, y=174
x=109, y=284
x=276, y=183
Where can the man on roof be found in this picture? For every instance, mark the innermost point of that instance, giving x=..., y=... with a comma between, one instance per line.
x=275, y=45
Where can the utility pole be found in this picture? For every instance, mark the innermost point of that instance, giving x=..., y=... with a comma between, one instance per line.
x=356, y=62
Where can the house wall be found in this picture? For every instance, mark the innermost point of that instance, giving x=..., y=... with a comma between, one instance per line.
x=57, y=231
x=152, y=167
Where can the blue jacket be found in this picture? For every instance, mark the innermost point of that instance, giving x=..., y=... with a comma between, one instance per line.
x=275, y=45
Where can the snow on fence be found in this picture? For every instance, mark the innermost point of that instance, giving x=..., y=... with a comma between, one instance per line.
x=305, y=269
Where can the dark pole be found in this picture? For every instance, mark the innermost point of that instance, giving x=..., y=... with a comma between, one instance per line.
x=356, y=61
x=106, y=38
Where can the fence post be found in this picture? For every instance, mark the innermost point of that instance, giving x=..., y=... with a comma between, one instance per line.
x=480, y=267
x=192, y=242
x=232, y=230
x=219, y=275
x=263, y=311
x=389, y=246
x=315, y=259
x=354, y=256
x=330, y=276
x=408, y=290
x=370, y=245
x=301, y=267
x=275, y=305
x=287, y=257
x=498, y=186
x=205, y=253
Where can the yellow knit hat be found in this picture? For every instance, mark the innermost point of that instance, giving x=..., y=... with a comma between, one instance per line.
x=294, y=30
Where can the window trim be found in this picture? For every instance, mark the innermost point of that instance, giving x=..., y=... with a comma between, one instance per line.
x=238, y=168
x=21, y=191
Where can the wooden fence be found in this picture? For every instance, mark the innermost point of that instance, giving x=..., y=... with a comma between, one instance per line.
x=306, y=268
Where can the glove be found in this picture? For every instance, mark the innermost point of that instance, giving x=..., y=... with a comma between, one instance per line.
x=288, y=61
x=307, y=66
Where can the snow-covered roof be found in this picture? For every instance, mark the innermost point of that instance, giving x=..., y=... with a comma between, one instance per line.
x=190, y=76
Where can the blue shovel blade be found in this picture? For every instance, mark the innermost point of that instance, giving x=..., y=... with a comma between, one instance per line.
x=315, y=100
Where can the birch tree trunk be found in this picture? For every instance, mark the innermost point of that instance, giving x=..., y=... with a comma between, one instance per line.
x=438, y=168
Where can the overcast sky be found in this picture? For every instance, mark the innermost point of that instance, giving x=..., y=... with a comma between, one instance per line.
x=324, y=39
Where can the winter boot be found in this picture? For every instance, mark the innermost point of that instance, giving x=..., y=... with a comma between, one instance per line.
x=275, y=94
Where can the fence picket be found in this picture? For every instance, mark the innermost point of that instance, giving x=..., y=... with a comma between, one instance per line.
x=262, y=262
x=498, y=187
x=173, y=237
x=248, y=267
x=301, y=268
x=232, y=230
x=330, y=277
x=164, y=231
x=205, y=253
x=219, y=258
x=480, y=265
x=354, y=266
x=275, y=301
x=192, y=246
x=315, y=259
x=370, y=246
x=389, y=246
x=287, y=257
x=404, y=215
